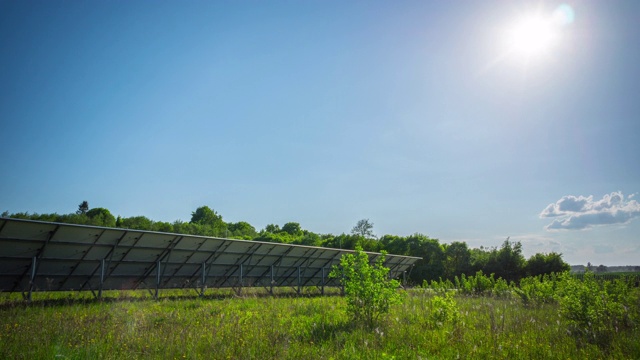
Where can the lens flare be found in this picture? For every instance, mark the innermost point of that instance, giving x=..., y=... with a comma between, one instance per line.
x=563, y=15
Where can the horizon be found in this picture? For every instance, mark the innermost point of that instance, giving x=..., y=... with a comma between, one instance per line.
x=468, y=122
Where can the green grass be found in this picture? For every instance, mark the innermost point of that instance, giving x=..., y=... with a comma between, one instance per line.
x=132, y=325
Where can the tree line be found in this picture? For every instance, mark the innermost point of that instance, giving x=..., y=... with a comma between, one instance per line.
x=439, y=260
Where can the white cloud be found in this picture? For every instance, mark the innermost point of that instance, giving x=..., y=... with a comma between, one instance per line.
x=580, y=212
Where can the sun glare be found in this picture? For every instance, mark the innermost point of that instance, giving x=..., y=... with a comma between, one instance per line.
x=532, y=36
x=535, y=35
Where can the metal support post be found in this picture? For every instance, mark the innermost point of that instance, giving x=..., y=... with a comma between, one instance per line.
x=204, y=278
x=272, y=281
x=32, y=278
x=240, y=280
x=158, y=277
x=102, y=264
x=299, y=281
x=322, y=287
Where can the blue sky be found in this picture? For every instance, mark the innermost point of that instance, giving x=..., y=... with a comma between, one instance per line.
x=414, y=114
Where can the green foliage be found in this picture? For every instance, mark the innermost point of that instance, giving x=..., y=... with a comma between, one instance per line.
x=596, y=312
x=204, y=215
x=309, y=239
x=478, y=284
x=501, y=288
x=441, y=286
x=292, y=228
x=474, y=285
x=83, y=208
x=272, y=228
x=539, y=264
x=508, y=262
x=162, y=226
x=367, y=288
x=136, y=223
x=444, y=310
x=241, y=230
x=101, y=217
x=363, y=228
x=538, y=290
x=457, y=259
x=182, y=326
x=432, y=264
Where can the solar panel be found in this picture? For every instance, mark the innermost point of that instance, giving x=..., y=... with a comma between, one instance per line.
x=44, y=256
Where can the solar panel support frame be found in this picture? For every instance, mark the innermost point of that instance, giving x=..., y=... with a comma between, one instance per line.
x=32, y=278
x=102, y=270
x=299, y=280
x=271, y=282
x=158, y=278
x=203, y=279
x=44, y=256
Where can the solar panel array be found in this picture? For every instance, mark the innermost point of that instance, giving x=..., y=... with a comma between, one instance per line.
x=44, y=256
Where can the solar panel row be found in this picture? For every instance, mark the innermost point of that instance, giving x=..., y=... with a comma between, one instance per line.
x=44, y=256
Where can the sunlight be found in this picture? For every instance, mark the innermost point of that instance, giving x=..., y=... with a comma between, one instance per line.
x=535, y=35
x=532, y=36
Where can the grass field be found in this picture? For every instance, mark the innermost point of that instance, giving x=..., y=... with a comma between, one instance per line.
x=131, y=325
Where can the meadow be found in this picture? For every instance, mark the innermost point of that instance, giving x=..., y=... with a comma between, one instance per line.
x=429, y=324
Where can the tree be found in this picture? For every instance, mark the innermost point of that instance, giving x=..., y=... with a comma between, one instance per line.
x=431, y=266
x=272, y=228
x=342, y=241
x=394, y=244
x=292, y=228
x=136, y=223
x=509, y=263
x=83, y=208
x=242, y=229
x=363, y=228
x=309, y=239
x=539, y=264
x=161, y=226
x=101, y=217
x=457, y=259
x=204, y=215
x=367, y=288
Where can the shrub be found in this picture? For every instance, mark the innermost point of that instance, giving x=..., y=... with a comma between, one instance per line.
x=596, y=311
x=444, y=310
x=367, y=288
x=441, y=286
x=475, y=285
x=537, y=290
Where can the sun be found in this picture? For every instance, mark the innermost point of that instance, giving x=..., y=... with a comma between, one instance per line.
x=532, y=36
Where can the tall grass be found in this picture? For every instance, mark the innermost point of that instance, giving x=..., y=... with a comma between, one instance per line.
x=224, y=326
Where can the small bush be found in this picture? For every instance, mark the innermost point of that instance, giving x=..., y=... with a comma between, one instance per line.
x=367, y=288
x=444, y=310
x=478, y=284
x=440, y=287
x=537, y=290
